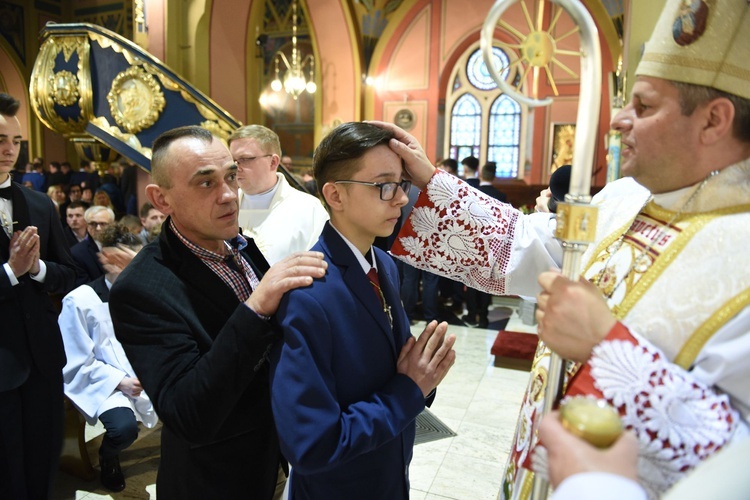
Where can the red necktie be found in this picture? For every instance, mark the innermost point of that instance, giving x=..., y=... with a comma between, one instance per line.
x=375, y=282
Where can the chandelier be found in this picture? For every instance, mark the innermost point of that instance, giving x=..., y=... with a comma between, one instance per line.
x=294, y=82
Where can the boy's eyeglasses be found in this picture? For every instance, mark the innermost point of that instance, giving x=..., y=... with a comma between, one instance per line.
x=387, y=189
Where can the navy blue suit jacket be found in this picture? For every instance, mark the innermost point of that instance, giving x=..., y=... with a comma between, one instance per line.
x=85, y=254
x=345, y=417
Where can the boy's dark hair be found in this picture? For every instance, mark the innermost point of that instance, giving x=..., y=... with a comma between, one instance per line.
x=9, y=105
x=334, y=158
x=472, y=162
x=119, y=234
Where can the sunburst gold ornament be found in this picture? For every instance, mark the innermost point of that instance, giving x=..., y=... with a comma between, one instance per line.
x=135, y=99
x=538, y=47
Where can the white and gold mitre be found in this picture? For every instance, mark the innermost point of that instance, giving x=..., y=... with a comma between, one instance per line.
x=703, y=42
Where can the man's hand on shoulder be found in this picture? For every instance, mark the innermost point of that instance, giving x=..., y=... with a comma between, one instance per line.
x=297, y=270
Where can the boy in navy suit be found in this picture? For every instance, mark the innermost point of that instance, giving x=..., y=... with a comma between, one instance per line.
x=349, y=379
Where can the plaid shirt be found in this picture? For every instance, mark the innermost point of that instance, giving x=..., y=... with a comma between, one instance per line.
x=232, y=268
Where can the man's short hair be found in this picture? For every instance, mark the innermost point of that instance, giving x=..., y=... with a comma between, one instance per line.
x=451, y=164
x=119, y=234
x=692, y=96
x=160, y=148
x=76, y=204
x=489, y=171
x=264, y=136
x=471, y=162
x=335, y=157
x=93, y=210
x=9, y=105
x=145, y=209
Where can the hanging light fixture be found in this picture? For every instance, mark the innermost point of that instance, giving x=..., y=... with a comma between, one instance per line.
x=294, y=82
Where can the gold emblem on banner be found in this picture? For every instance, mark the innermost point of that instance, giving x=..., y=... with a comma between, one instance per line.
x=64, y=86
x=135, y=99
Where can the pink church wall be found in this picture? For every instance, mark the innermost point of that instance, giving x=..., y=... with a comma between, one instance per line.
x=337, y=62
x=227, y=55
x=155, y=23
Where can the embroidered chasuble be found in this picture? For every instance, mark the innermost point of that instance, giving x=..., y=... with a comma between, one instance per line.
x=672, y=277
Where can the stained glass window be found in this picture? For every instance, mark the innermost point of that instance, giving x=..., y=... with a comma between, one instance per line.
x=484, y=122
x=466, y=127
x=505, y=136
x=477, y=73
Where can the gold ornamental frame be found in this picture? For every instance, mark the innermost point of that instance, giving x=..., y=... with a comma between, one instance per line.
x=135, y=99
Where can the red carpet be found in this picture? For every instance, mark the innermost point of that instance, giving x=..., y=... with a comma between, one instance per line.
x=514, y=349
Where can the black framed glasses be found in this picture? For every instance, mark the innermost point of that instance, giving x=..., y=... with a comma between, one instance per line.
x=250, y=159
x=387, y=189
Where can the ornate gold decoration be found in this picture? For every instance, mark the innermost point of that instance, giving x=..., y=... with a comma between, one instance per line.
x=129, y=139
x=64, y=85
x=139, y=15
x=576, y=223
x=217, y=128
x=48, y=88
x=538, y=48
x=563, y=141
x=135, y=99
x=68, y=45
x=122, y=47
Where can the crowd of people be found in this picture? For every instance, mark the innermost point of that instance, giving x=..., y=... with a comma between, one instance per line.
x=302, y=365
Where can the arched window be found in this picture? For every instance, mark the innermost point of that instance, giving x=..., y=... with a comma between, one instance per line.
x=505, y=136
x=466, y=127
x=483, y=121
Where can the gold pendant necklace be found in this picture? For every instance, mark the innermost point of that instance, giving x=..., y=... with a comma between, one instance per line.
x=641, y=262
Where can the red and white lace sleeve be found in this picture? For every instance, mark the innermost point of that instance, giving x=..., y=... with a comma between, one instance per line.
x=459, y=232
x=679, y=421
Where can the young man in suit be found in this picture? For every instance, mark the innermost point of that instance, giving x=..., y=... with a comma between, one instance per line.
x=75, y=230
x=349, y=380
x=35, y=262
x=471, y=168
x=193, y=314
